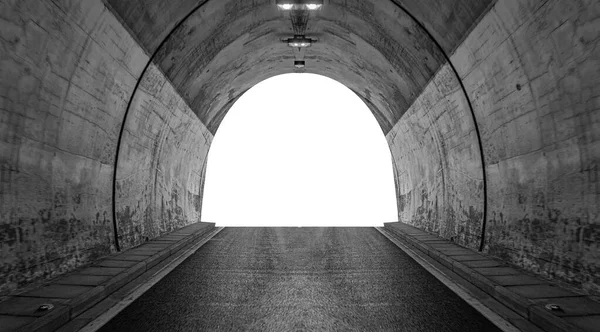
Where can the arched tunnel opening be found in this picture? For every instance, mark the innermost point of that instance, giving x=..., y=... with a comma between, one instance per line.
x=264, y=170
x=490, y=109
x=351, y=48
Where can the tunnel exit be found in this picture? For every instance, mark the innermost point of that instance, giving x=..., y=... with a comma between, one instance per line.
x=299, y=150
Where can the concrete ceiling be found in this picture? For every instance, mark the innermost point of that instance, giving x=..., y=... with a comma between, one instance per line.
x=214, y=51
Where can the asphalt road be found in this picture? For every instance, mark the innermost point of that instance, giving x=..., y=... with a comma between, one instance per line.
x=299, y=279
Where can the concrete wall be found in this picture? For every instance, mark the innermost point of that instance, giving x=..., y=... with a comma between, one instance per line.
x=67, y=70
x=68, y=74
x=532, y=71
x=160, y=174
x=437, y=163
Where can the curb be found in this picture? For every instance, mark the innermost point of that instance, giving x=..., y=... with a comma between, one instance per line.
x=77, y=291
x=501, y=281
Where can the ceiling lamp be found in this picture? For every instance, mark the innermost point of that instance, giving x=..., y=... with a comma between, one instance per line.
x=299, y=4
x=299, y=41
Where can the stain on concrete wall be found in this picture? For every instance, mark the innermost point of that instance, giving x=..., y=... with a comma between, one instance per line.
x=160, y=175
x=532, y=71
x=437, y=163
x=67, y=69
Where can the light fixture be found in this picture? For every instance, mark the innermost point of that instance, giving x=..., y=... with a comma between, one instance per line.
x=299, y=41
x=299, y=63
x=299, y=4
x=299, y=44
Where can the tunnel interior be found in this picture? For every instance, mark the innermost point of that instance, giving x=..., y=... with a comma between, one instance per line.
x=490, y=109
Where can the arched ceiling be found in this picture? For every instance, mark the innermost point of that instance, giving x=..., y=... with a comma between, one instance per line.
x=213, y=51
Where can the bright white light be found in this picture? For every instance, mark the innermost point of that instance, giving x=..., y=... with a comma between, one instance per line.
x=286, y=6
x=276, y=161
x=299, y=44
x=312, y=6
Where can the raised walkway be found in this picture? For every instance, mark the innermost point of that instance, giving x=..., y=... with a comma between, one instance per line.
x=535, y=304
x=65, y=301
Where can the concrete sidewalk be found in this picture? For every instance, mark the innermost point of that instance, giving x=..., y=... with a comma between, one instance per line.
x=74, y=293
x=535, y=300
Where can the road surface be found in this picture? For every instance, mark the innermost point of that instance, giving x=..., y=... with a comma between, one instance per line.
x=299, y=279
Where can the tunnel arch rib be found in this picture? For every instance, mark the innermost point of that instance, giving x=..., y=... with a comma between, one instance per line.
x=475, y=124
x=126, y=113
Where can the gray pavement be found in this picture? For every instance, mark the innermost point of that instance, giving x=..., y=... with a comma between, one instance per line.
x=299, y=279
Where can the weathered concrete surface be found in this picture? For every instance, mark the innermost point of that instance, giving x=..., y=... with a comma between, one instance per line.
x=448, y=21
x=532, y=71
x=160, y=174
x=437, y=164
x=67, y=71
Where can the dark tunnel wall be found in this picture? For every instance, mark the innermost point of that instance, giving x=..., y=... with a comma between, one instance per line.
x=529, y=69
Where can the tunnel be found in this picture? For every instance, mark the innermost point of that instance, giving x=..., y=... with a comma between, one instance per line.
x=491, y=109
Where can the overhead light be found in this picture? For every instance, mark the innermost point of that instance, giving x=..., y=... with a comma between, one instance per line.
x=299, y=63
x=299, y=41
x=299, y=4
x=299, y=44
